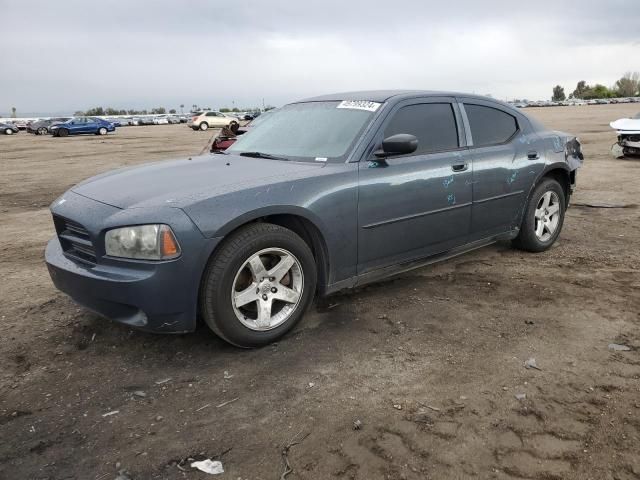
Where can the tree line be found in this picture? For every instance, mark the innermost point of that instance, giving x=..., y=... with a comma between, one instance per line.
x=627, y=86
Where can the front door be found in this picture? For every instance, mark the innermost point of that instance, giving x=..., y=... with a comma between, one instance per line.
x=417, y=205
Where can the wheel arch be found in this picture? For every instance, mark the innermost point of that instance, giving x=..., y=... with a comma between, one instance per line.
x=562, y=174
x=557, y=171
x=297, y=219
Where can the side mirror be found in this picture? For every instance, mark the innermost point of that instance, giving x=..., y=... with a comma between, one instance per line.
x=399, y=144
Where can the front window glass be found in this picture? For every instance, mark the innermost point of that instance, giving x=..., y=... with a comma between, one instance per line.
x=306, y=131
x=433, y=124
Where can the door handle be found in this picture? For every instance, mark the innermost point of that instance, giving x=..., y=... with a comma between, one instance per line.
x=459, y=167
x=533, y=155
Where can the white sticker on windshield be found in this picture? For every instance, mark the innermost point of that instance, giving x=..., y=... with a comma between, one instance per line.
x=321, y=159
x=360, y=105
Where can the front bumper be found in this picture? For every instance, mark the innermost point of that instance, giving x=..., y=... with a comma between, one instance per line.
x=160, y=297
x=145, y=299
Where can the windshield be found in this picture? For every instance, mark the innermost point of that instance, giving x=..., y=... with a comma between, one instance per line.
x=260, y=118
x=317, y=131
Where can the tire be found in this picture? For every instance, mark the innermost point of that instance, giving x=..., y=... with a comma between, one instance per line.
x=8, y=131
x=63, y=132
x=539, y=217
x=229, y=272
x=102, y=131
x=204, y=126
x=233, y=122
x=42, y=131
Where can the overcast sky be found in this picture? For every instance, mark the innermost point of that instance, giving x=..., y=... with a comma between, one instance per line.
x=139, y=54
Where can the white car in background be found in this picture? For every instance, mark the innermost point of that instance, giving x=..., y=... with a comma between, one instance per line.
x=211, y=119
x=160, y=121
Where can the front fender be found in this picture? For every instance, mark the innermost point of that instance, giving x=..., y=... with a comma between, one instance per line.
x=252, y=215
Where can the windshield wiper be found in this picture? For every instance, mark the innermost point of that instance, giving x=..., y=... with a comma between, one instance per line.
x=261, y=155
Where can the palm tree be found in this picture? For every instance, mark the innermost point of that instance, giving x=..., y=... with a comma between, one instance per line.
x=13, y=112
x=181, y=107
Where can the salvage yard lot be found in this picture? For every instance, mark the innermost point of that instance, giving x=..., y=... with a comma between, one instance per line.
x=429, y=363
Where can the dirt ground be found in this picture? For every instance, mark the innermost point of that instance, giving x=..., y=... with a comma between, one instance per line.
x=428, y=365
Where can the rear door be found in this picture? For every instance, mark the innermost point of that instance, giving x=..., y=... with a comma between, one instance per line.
x=499, y=144
x=417, y=205
x=213, y=119
x=91, y=126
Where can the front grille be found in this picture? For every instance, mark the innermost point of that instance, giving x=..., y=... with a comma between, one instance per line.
x=75, y=240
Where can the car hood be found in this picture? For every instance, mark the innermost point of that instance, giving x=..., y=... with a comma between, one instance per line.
x=180, y=183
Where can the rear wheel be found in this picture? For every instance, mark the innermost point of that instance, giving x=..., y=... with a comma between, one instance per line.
x=42, y=131
x=543, y=217
x=204, y=126
x=258, y=285
x=9, y=131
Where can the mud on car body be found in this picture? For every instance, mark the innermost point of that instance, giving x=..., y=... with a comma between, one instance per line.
x=325, y=194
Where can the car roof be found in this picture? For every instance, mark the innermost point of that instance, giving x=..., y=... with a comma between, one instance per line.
x=382, y=96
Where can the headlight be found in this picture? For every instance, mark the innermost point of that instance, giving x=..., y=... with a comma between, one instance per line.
x=144, y=242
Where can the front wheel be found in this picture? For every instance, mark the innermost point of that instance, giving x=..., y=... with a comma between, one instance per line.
x=258, y=285
x=102, y=131
x=8, y=131
x=42, y=131
x=63, y=132
x=204, y=126
x=543, y=217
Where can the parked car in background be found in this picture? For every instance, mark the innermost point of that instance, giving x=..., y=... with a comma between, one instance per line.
x=82, y=125
x=162, y=120
x=8, y=128
x=326, y=194
x=147, y=120
x=628, y=130
x=173, y=119
x=41, y=127
x=21, y=124
x=116, y=121
x=210, y=119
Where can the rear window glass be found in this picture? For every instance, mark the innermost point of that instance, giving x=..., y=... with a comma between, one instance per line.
x=433, y=124
x=490, y=126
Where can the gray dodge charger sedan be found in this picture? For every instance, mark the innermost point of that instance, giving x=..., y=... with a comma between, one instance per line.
x=327, y=193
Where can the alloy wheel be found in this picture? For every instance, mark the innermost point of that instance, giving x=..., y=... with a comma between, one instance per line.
x=267, y=289
x=547, y=216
